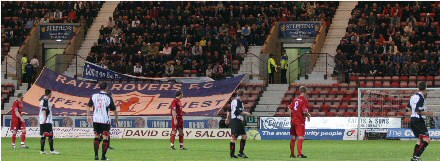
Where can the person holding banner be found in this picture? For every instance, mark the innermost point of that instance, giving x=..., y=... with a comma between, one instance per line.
x=46, y=122
x=298, y=115
x=417, y=124
x=236, y=113
x=18, y=121
x=177, y=120
x=101, y=103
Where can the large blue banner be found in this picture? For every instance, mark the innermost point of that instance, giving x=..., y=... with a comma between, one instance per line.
x=55, y=31
x=70, y=96
x=407, y=133
x=300, y=29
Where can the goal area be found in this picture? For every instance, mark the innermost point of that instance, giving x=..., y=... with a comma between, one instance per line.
x=380, y=109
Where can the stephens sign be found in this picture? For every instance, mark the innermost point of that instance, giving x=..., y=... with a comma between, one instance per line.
x=301, y=29
x=71, y=96
x=57, y=31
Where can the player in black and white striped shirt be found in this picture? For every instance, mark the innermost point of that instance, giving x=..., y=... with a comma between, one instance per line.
x=418, y=126
x=45, y=120
x=236, y=114
x=102, y=104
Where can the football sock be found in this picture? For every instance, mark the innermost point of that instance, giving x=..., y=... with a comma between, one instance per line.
x=300, y=146
x=104, y=147
x=242, y=145
x=292, y=147
x=42, y=141
x=14, y=137
x=181, y=140
x=232, y=148
x=51, y=143
x=422, y=148
x=172, y=138
x=23, y=138
x=96, y=145
x=415, y=149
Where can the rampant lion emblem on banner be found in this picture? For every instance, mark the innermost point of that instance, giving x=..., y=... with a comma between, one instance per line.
x=132, y=103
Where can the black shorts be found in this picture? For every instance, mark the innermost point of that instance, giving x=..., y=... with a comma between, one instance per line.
x=237, y=128
x=46, y=128
x=418, y=127
x=99, y=128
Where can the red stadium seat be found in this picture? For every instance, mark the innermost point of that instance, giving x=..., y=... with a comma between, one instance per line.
x=330, y=114
x=335, y=86
x=333, y=108
x=403, y=85
x=347, y=114
x=354, y=78
x=412, y=78
x=325, y=108
x=404, y=78
x=395, y=84
x=361, y=79
x=369, y=79
x=339, y=114
x=412, y=85
x=386, y=85
x=386, y=79
x=421, y=78
x=395, y=79
x=324, y=93
x=377, y=84
x=344, y=86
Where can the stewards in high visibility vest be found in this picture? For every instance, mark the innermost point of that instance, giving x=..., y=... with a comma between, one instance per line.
x=284, y=66
x=24, y=62
x=271, y=68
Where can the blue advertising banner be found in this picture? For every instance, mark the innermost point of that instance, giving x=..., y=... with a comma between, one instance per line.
x=407, y=133
x=299, y=29
x=55, y=31
x=311, y=134
x=70, y=96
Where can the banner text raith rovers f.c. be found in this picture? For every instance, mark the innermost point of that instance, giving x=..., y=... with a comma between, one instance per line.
x=72, y=95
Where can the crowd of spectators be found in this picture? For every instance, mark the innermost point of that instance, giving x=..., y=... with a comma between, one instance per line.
x=158, y=39
x=391, y=39
x=18, y=17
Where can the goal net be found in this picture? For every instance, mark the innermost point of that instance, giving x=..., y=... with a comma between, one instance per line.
x=387, y=108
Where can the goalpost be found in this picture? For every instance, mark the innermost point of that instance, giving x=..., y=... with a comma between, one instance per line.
x=389, y=105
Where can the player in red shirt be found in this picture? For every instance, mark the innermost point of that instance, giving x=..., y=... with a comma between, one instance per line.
x=298, y=116
x=177, y=120
x=18, y=121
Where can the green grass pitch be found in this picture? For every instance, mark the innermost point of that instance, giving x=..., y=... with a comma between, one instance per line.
x=217, y=150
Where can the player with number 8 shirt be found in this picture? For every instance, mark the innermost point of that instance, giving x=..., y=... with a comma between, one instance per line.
x=298, y=115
